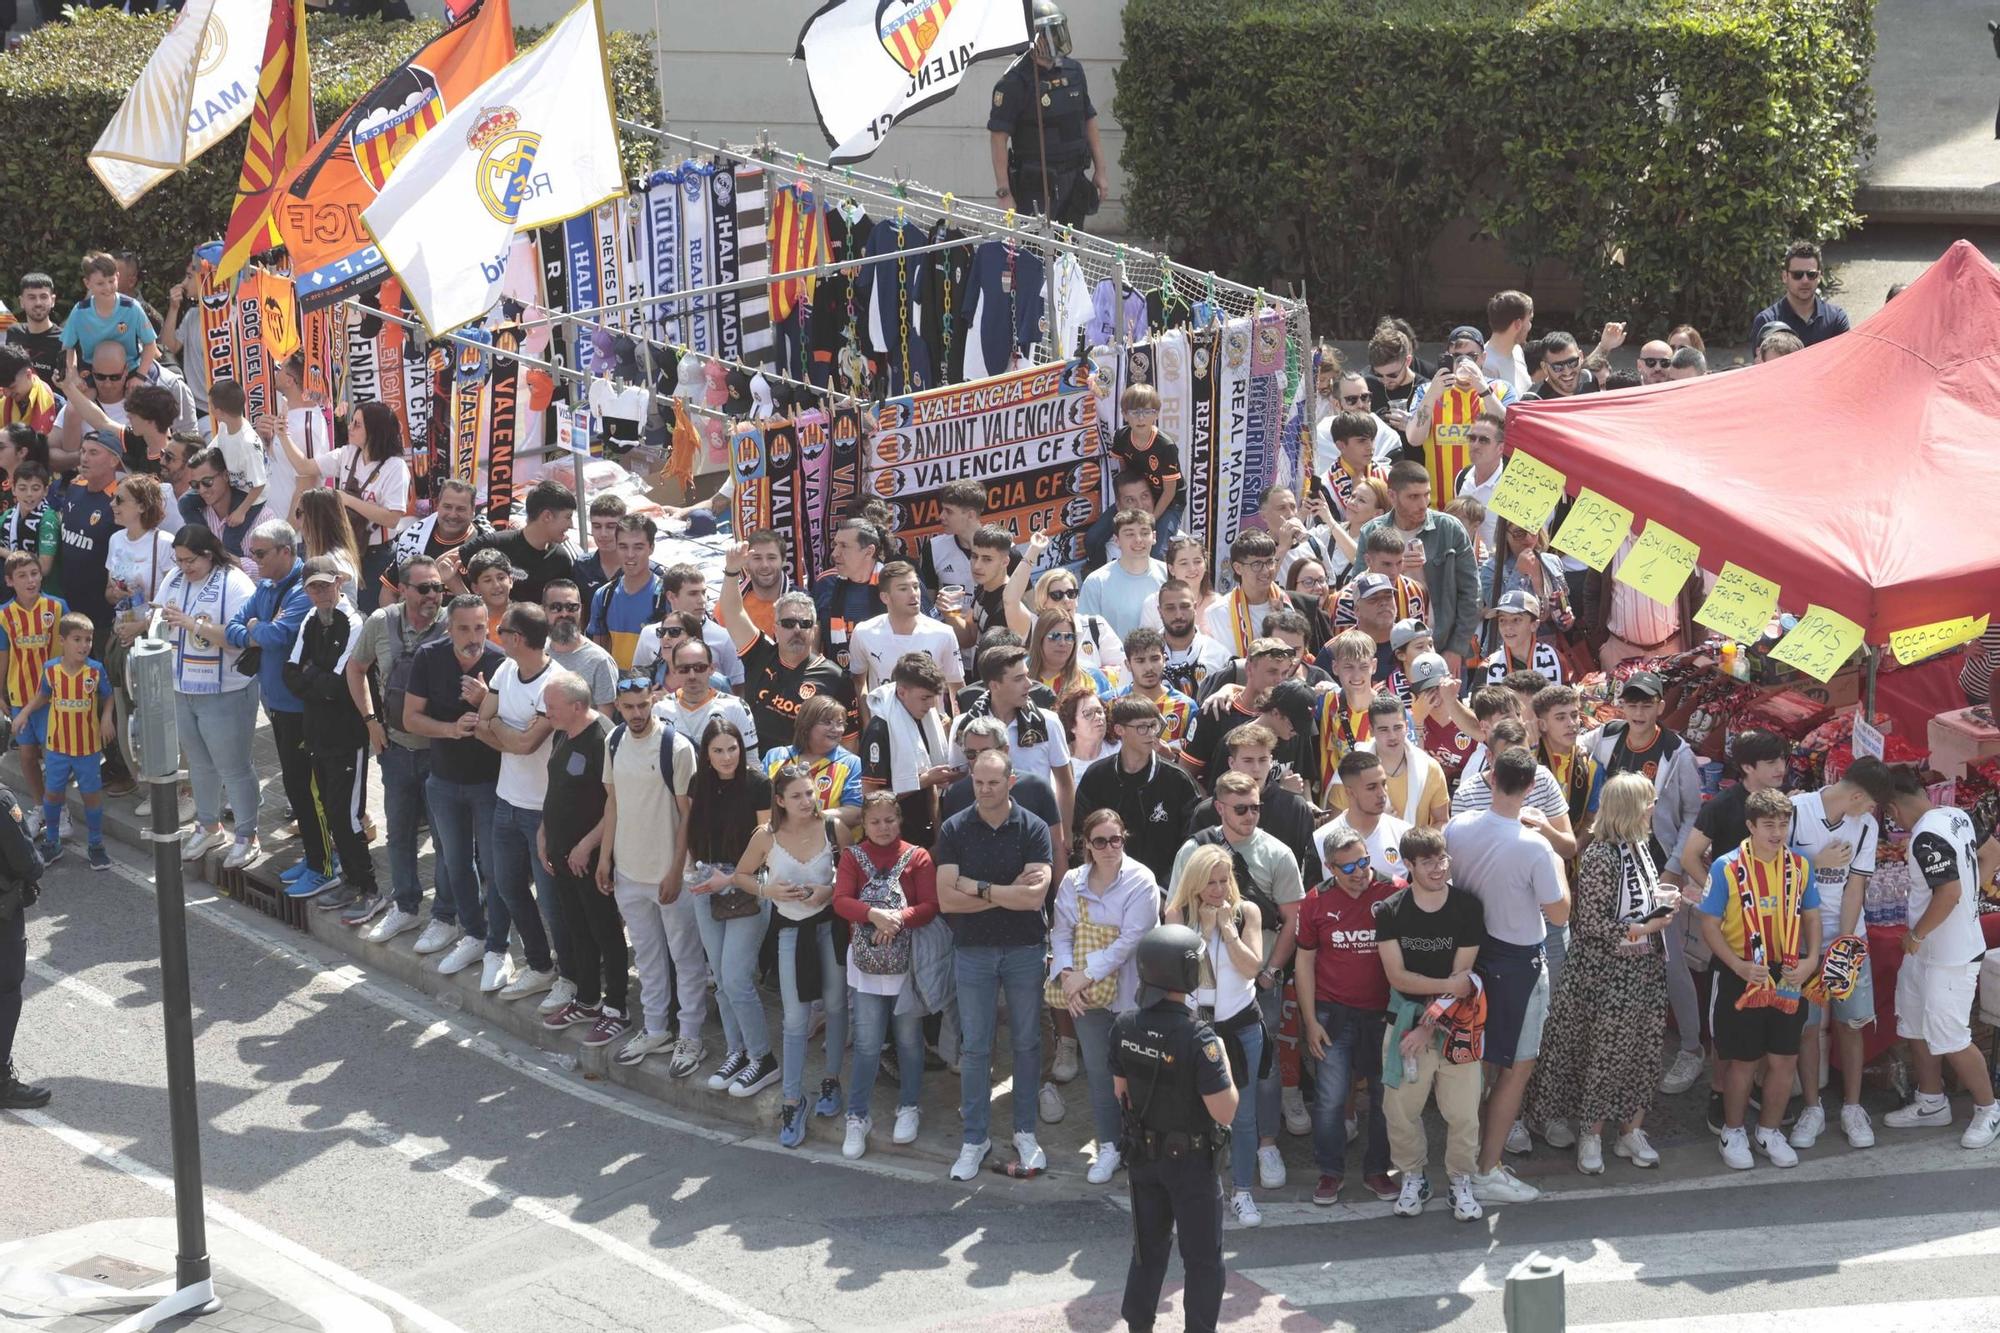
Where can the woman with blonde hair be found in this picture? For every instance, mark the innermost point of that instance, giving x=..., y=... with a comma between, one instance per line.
x=1097, y=644
x=1602, y=1045
x=1055, y=653
x=1207, y=898
x=324, y=530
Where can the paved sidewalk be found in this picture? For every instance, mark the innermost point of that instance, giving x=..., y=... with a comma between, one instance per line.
x=1936, y=87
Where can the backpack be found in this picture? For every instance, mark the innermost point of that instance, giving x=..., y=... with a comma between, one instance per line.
x=396, y=680
x=883, y=889
x=666, y=752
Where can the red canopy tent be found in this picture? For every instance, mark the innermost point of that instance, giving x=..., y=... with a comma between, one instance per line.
x=1862, y=474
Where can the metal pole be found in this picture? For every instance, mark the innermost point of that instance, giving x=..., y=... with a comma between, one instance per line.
x=1041, y=134
x=1868, y=689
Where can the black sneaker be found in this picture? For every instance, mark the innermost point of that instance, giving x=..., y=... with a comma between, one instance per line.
x=100, y=859
x=726, y=1072
x=338, y=899
x=1715, y=1112
x=758, y=1075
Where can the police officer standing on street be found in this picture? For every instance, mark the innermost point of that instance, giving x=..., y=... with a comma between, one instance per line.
x=1178, y=1099
x=1044, y=130
x=20, y=884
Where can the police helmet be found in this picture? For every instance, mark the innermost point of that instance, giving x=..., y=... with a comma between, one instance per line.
x=1170, y=959
x=1052, y=26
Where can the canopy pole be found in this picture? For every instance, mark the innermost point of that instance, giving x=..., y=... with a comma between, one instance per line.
x=1868, y=689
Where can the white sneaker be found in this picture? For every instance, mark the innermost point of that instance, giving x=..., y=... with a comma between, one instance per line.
x=1985, y=1126
x=528, y=982
x=1559, y=1134
x=1811, y=1124
x=1030, y=1152
x=242, y=852
x=390, y=926
x=1464, y=1203
x=439, y=936
x=462, y=955
x=1292, y=1105
x=1353, y=1128
x=560, y=994
x=1590, y=1154
x=969, y=1157
x=1105, y=1167
x=1051, y=1104
x=908, y=1118
x=1501, y=1185
x=200, y=844
x=495, y=972
x=1636, y=1148
x=1855, y=1124
x=1735, y=1147
x=1068, y=1060
x=1518, y=1141
x=1416, y=1190
x=1270, y=1168
x=1682, y=1073
x=639, y=1045
x=856, y=1142
x=1771, y=1142
x=1920, y=1115
x=1245, y=1209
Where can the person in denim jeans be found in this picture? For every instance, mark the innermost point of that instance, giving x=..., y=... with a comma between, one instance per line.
x=1001, y=941
x=512, y=721
x=729, y=800
x=1344, y=1009
x=447, y=679
x=215, y=704
x=388, y=643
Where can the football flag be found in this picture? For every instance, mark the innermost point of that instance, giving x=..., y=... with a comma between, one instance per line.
x=533, y=145
x=281, y=128
x=870, y=63
x=320, y=200
x=199, y=85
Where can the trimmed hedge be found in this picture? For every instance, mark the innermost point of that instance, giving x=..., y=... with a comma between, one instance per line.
x=1664, y=151
x=61, y=87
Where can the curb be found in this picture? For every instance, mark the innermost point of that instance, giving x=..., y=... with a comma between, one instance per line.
x=1928, y=204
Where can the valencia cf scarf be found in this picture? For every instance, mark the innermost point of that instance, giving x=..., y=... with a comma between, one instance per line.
x=1771, y=900
x=1340, y=730
x=1240, y=623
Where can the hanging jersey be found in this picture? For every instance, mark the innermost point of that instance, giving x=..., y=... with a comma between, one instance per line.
x=1002, y=307
x=798, y=240
x=29, y=637
x=75, y=696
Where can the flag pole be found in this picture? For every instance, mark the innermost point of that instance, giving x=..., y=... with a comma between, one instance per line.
x=1041, y=134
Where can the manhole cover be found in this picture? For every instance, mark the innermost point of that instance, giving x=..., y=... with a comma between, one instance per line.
x=114, y=1272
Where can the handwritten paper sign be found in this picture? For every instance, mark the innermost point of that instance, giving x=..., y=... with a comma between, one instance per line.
x=1820, y=644
x=1740, y=604
x=1867, y=739
x=1528, y=493
x=1914, y=645
x=1595, y=529
x=1659, y=563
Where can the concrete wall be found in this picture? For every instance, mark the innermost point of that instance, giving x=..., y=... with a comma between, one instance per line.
x=728, y=74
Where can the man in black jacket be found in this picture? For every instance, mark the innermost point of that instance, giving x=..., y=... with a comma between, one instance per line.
x=20, y=884
x=335, y=735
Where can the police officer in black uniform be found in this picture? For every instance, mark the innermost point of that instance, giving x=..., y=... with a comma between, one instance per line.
x=1043, y=126
x=1177, y=1098
x=20, y=883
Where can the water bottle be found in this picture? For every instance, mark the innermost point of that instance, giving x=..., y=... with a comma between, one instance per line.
x=561, y=1061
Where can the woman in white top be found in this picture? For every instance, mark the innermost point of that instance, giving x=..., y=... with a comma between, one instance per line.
x=1232, y=932
x=796, y=850
x=1108, y=892
x=372, y=485
x=215, y=706
x=141, y=552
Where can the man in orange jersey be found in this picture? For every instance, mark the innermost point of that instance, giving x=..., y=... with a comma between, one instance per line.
x=77, y=695
x=1444, y=410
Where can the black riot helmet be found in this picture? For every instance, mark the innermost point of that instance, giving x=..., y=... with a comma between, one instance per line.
x=1051, y=28
x=1170, y=959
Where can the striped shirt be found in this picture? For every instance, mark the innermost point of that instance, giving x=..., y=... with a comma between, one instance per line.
x=1976, y=676
x=29, y=637
x=75, y=696
x=1447, y=451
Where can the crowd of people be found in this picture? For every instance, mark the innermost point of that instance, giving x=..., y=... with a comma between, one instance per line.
x=937, y=789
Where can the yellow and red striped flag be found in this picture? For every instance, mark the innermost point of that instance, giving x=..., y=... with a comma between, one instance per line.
x=281, y=130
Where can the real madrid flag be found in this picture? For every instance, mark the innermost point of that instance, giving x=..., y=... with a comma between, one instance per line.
x=534, y=144
x=199, y=86
x=870, y=63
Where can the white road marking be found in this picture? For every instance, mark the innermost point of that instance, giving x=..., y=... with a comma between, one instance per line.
x=75, y=986
x=1970, y=1314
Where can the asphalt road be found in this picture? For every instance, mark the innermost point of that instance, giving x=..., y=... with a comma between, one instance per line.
x=459, y=1183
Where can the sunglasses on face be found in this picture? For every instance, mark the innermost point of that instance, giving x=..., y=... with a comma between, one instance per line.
x=1061, y=594
x=1107, y=841
x=1656, y=362
x=1350, y=867
x=1568, y=364
x=794, y=622
x=692, y=669
x=1242, y=808
x=1062, y=636
x=1804, y=275
x=553, y=608
x=206, y=482
x=1354, y=399
x=1484, y=439
x=112, y=378
x=256, y=554
x=673, y=632
x=434, y=585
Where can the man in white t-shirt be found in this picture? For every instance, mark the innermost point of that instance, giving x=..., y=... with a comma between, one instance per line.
x=242, y=450
x=1511, y=315
x=879, y=642
x=1366, y=784
x=1835, y=829
x=694, y=700
x=1192, y=657
x=1484, y=441
x=1941, y=954
x=1121, y=590
x=513, y=721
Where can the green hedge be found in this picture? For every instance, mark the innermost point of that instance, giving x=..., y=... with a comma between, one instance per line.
x=61, y=87
x=1664, y=151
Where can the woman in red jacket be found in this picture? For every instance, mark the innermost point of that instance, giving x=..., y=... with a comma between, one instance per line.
x=886, y=888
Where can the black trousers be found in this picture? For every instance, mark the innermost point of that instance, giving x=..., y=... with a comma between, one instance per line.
x=597, y=949
x=1186, y=1194
x=13, y=969
x=340, y=785
x=288, y=733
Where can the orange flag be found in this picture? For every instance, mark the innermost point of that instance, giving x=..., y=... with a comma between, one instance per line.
x=281, y=129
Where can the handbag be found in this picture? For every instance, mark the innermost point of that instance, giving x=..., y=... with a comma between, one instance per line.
x=883, y=889
x=1089, y=937
x=725, y=904
x=359, y=490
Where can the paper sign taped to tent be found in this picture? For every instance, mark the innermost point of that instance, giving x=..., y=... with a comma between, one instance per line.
x=1914, y=645
x=1029, y=436
x=1529, y=491
x=1819, y=644
x=1658, y=563
x=1740, y=604
x=1595, y=529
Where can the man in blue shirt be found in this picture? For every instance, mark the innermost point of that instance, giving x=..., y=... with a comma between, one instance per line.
x=1801, y=309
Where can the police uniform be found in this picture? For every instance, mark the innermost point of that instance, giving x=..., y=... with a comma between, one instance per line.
x=1064, y=102
x=20, y=879
x=1169, y=1060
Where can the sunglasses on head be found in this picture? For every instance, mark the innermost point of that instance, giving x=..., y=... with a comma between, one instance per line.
x=634, y=683
x=794, y=622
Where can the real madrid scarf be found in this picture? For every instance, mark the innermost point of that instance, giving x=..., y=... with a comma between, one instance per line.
x=697, y=258
x=1199, y=460
x=660, y=220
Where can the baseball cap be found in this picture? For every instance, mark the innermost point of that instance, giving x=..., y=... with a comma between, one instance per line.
x=1372, y=584
x=1466, y=333
x=105, y=439
x=322, y=576
x=1293, y=701
x=1406, y=632
x=1519, y=602
x=1428, y=672
x=1645, y=684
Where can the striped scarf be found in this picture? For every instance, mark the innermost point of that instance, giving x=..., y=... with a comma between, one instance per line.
x=1770, y=934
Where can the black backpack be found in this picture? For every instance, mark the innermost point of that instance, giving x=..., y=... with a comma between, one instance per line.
x=666, y=752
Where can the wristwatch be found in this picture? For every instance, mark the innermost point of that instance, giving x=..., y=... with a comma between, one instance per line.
x=984, y=888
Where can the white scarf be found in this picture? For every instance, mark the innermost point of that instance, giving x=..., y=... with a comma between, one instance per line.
x=197, y=663
x=914, y=743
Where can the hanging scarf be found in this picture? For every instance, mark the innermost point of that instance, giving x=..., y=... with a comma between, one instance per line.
x=1340, y=730
x=1030, y=725
x=1770, y=936
x=1240, y=623
x=1638, y=888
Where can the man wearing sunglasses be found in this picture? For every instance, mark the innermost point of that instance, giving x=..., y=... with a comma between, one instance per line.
x=781, y=671
x=1562, y=359
x=211, y=499
x=1801, y=309
x=563, y=600
x=1654, y=359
